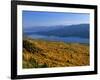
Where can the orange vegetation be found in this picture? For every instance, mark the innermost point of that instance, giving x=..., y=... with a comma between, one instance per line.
x=42, y=53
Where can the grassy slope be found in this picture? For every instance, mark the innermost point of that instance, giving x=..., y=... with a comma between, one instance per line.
x=41, y=53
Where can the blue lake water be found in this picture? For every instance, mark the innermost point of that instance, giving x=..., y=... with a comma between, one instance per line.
x=64, y=39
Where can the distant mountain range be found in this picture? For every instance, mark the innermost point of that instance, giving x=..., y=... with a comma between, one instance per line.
x=80, y=30
x=41, y=28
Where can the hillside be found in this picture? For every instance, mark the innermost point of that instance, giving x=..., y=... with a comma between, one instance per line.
x=80, y=30
x=42, y=53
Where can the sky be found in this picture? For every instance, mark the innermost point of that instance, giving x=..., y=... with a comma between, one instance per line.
x=33, y=18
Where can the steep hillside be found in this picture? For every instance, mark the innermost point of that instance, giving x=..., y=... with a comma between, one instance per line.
x=41, y=54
